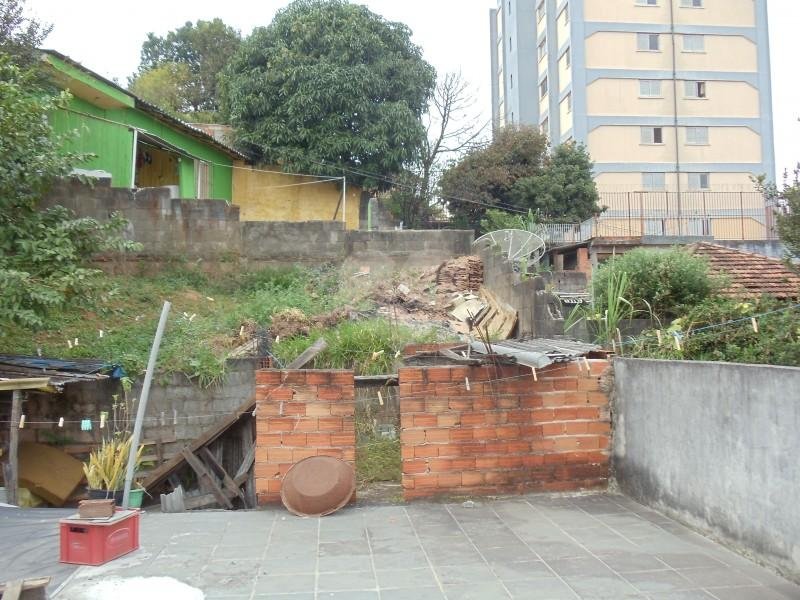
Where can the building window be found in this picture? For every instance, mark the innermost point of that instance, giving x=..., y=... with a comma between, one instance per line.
x=509, y=7
x=697, y=136
x=699, y=181
x=542, y=48
x=648, y=42
x=540, y=11
x=646, y=2
x=567, y=58
x=564, y=16
x=510, y=43
x=691, y=3
x=512, y=117
x=202, y=172
x=543, y=88
x=695, y=89
x=694, y=43
x=545, y=126
x=512, y=81
x=654, y=182
x=650, y=88
x=652, y=135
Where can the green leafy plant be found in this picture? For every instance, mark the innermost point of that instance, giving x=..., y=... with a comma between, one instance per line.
x=106, y=467
x=608, y=311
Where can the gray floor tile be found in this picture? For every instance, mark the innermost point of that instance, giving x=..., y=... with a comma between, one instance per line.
x=682, y=595
x=746, y=593
x=631, y=562
x=603, y=587
x=335, y=582
x=349, y=595
x=476, y=591
x=427, y=593
x=716, y=576
x=406, y=578
x=659, y=581
x=589, y=566
x=521, y=571
x=284, y=584
x=400, y=560
x=458, y=574
x=283, y=597
x=344, y=564
x=541, y=589
x=689, y=560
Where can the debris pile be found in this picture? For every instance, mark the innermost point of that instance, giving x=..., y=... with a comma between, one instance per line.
x=484, y=313
x=464, y=274
x=293, y=322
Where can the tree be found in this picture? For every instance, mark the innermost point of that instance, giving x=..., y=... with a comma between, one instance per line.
x=205, y=48
x=788, y=203
x=166, y=86
x=485, y=176
x=330, y=86
x=20, y=37
x=564, y=191
x=451, y=129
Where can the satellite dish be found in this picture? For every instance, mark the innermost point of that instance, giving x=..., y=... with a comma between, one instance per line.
x=518, y=245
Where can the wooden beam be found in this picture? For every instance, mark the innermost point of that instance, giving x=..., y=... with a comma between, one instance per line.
x=12, y=481
x=227, y=482
x=206, y=478
x=161, y=473
x=31, y=586
x=309, y=355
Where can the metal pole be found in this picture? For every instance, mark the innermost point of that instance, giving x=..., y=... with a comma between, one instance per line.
x=344, y=201
x=12, y=485
x=741, y=211
x=148, y=380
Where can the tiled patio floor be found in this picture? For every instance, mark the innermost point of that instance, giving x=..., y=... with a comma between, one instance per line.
x=532, y=547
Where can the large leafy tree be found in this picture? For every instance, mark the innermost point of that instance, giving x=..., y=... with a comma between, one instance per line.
x=44, y=255
x=165, y=86
x=329, y=83
x=788, y=202
x=204, y=48
x=519, y=174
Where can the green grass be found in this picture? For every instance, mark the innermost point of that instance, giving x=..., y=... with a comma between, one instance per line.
x=207, y=313
x=378, y=459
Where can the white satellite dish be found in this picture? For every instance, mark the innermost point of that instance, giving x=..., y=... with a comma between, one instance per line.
x=517, y=245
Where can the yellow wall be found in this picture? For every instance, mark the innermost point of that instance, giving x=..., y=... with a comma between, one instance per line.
x=618, y=50
x=564, y=72
x=621, y=97
x=623, y=144
x=723, y=53
x=563, y=27
x=263, y=196
x=722, y=228
x=739, y=13
x=720, y=182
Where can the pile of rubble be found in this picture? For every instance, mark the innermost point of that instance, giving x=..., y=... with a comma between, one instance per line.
x=464, y=274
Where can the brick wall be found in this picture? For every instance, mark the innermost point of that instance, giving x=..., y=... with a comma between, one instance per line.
x=507, y=433
x=300, y=414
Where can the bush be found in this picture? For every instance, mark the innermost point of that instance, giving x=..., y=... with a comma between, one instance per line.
x=666, y=282
x=722, y=330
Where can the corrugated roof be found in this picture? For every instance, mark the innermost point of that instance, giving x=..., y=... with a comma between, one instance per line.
x=154, y=110
x=750, y=274
x=59, y=371
x=538, y=352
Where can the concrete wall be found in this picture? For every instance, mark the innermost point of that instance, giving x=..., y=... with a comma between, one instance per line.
x=715, y=445
x=540, y=311
x=771, y=248
x=212, y=230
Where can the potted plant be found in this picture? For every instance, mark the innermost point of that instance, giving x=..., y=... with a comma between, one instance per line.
x=105, y=470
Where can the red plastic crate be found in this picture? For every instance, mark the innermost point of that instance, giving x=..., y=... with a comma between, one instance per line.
x=85, y=542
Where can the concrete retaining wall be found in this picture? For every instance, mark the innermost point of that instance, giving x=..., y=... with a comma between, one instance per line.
x=715, y=445
x=211, y=230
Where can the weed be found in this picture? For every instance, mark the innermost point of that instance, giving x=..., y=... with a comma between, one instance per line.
x=378, y=459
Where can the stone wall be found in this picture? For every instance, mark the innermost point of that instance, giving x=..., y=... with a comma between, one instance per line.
x=211, y=230
x=714, y=445
x=301, y=414
x=503, y=432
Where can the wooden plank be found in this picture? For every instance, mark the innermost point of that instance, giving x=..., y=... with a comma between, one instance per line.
x=14, y=589
x=196, y=502
x=36, y=583
x=206, y=478
x=161, y=473
x=12, y=480
x=215, y=465
x=309, y=355
x=245, y=469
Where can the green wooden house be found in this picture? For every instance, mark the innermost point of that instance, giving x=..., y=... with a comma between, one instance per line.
x=137, y=143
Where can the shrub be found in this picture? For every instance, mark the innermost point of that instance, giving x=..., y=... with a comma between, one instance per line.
x=666, y=282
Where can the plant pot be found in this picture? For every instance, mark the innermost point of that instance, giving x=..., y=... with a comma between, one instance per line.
x=134, y=499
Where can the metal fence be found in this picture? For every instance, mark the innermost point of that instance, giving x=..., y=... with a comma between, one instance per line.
x=721, y=215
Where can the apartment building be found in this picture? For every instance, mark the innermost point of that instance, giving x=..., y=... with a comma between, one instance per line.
x=668, y=95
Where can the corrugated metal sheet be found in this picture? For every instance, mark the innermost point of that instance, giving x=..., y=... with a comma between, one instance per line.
x=538, y=352
x=59, y=371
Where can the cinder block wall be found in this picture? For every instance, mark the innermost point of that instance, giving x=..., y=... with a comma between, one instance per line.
x=301, y=414
x=505, y=434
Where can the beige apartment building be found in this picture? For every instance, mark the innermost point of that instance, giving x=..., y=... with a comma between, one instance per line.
x=671, y=97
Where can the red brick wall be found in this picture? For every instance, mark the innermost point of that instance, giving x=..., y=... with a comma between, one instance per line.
x=507, y=434
x=301, y=414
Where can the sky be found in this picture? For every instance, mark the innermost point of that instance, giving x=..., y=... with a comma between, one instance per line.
x=106, y=37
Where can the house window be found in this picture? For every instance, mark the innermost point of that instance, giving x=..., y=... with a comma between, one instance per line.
x=567, y=58
x=652, y=135
x=540, y=11
x=647, y=2
x=695, y=89
x=691, y=3
x=202, y=172
x=650, y=88
x=542, y=48
x=654, y=182
x=648, y=42
x=694, y=43
x=697, y=136
x=543, y=88
x=699, y=181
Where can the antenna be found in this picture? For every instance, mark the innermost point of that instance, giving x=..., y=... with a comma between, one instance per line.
x=517, y=245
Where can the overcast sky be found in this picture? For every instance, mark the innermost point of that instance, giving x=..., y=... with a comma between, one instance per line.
x=106, y=36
